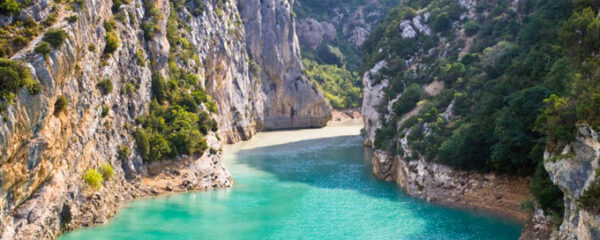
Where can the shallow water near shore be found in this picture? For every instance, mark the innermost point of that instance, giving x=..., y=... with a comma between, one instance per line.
x=300, y=184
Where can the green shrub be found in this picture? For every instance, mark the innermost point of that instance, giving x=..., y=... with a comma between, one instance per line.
x=116, y=5
x=105, y=86
x=471, y=28
x=56, y=37
x=109, y=25
x=72, y=18
x=124, y=152
x=139, y=54
x=331, y=55
x=107, y=171
x=14, y=76
x=61, y=104
x=10, y=7
x=408, y=100
x=43, y=48
x=254, y=68
x=127, y=89
x=112, y=42
x=545, y=192
x=105, y=110
x=590, y=198
x=339, y=86
x=93, y=178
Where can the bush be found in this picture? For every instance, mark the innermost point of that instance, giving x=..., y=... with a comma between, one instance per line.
x=72, y=18
x=105, y=110
x=56, y=37
x=408, y=100
x=331, y=55
x=471, y=28
x=14, y=76
x=105, y=86
x=545, y=192
x=60, y=105
x=124, y=152
x=338, y=85
x=10, y=7
x=93, y=178
x=43, y=48
x=112, y=42
x=140, y=57
x=107, y=171
x=128, y=89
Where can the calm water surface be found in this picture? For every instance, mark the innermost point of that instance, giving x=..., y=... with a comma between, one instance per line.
x=305, y=184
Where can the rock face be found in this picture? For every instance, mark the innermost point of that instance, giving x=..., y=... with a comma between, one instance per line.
x=433, y=182
x=292, y=100
x=44, y=155
x=312, y=33
x=574, y=175
x=373, y=97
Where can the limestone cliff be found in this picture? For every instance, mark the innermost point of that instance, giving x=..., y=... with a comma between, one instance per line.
x=575, y=171
x=44, y=155
x=293, y=101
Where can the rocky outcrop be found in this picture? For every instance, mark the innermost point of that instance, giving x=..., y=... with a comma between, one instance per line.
x=312, y=33
x=292, y=100
x=573, y=174
x=539, y=227
x=433, y=182
x=373, y=97
x=44, y=155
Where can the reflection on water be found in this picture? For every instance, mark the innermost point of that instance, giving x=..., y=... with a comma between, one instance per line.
x=303, y=184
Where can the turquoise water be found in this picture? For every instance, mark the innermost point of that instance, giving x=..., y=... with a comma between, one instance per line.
x=311, y=189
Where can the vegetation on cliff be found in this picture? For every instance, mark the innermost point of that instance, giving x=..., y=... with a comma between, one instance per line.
x=338, y=85
x=334, y=63
x=517, y=78
x=178, y=120
x=14, y=76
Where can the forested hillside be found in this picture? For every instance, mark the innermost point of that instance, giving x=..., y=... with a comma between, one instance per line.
x=518, y=76
x=331, y=34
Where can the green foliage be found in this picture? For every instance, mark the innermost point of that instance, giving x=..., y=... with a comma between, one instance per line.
x=43, y=48
x=471, y=28
x=106, y=86
x=175, y=125
x=408, y=100
x=107, y=171
x=105, y=110
x=254, y=68
x=499, y=89
x=516, y=139
x=93, y=178
x=124, y=152
x=547, y=194
x=139, y=54
x=72, y=18
x=61, y=104
x=590, y=198
x=450, y=72
x=198, y=7
x=331, y=55
x=10, y=7
x=14, y=76
x=112, y=42
x=56, y=37
x=340, y=87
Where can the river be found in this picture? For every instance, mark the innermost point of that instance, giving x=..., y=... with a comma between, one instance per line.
x=300, y=184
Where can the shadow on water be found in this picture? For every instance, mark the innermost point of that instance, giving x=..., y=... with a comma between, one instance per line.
x=334, y=163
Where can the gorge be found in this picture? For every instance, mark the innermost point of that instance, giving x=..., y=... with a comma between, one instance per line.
x=484, y=106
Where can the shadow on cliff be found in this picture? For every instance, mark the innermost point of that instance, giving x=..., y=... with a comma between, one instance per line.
x=333, y=163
